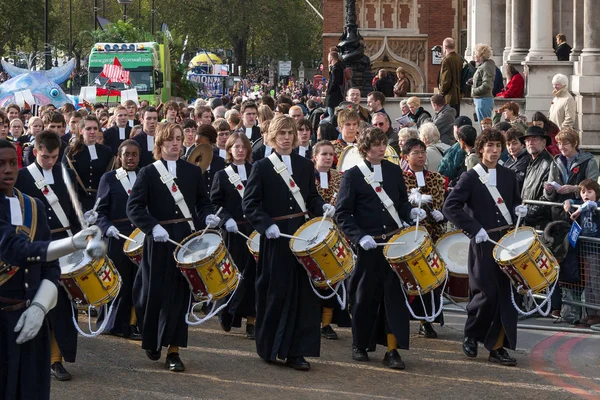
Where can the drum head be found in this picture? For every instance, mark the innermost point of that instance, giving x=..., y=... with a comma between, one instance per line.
x=407, y=236
x=518, y=243
x=254, y=242
x=201, y=248
x=454, y=250
x=139, y=238
x=73, y=261
x=349, y=158
x=309, y=232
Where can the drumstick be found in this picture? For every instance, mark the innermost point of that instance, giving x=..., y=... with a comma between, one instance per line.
x=502, y=247
x=293, y=237
x=390, y=244
x=244, y=236
x=96, y=205
x=205, y=229
x=126, y=238
x=180, y=245
x=517, y=227
x=417, y=225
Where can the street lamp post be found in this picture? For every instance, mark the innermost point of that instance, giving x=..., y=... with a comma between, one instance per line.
x=125, y=3
x=47, y=53
x=152, y=18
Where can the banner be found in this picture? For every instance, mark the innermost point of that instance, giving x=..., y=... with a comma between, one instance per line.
x=210, y=85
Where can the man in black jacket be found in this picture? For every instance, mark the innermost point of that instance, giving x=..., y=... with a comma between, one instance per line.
x=335, y=92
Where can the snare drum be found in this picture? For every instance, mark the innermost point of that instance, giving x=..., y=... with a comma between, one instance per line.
x=453, y=248
x=417, y=263
x=328, y=257
x=254, y=244
x=530, y=265
x=134, y=250
x=89, y=282
x=209, y=269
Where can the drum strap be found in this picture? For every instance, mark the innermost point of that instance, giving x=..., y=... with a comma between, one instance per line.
x=235, y=179
x=496, y=196
x=51, y=198
x=167, y=179
x=123, y=178
x=385, y=199
x=283, y=172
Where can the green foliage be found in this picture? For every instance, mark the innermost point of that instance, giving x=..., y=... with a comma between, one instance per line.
x=180, y=85
x=121, y=32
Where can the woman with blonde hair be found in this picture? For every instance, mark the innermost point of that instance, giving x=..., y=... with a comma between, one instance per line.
x=483, y=81
x=417, y=113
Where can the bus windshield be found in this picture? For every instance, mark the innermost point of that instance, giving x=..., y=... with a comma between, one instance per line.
x=142, y=80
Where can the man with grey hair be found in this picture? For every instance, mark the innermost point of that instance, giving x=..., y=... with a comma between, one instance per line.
x=219, y=112
x=563, y=111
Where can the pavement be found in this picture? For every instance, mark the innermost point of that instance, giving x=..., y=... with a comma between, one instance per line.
x=220, y=365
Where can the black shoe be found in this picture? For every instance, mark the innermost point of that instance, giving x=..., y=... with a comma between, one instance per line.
x=298, y=363
x=502, y=357
x=226, y=320
x=470, y=347
x=173, y=363
x=134, y=333
x=392, y=360
x=154, y=355
x=328, y=333
x=359, y=354
x=427, y=330
x=250, y=332
x=59, y=372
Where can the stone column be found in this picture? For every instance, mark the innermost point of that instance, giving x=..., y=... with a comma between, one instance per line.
x=469, y=48
x=481, y=11
x=577, y=39
x=520, y=30
x=508, y=32
x=541, y=32
x=590, y=55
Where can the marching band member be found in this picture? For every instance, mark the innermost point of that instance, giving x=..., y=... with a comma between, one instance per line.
x=260, y=149
x=161, y=293
x=43, y=180
x=227, y=192
x=348, y=120
x=89, y=161
x=189, y=137
x=35, y=127
x=369, y=213
x=145, y=138
x=490, y=211
x=117, y=134
x=280, y=191
x=113, y=192
x=304, y=133
x=223, y=132
x=432, y=184
x=32, y=289
x=208, y=134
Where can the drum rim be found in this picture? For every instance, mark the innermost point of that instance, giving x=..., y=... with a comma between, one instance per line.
x=252, y=236
x=189, y=237
x=496, y=248
x=128, y=249
x=402, y=232
x=316, y=246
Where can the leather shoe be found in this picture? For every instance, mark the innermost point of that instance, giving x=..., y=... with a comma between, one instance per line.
x=427, y=331
x=298, y=363
x=359, y=354
x=173, y=363
x=250, y=332
x=226, y=320
x=154, y=355
x=393, y=360
x=470, y=347
x=134, y=333
x=328, y=333
x=502, y=357
x=59, y=372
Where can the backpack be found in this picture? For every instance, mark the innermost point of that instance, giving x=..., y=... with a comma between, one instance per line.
x=467, y=73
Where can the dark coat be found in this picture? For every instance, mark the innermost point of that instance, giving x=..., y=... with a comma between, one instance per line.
x=420, y=117
x=385, y=86
x=470, y=207
x=288, y=314
x=335, y=94
x=533, y=189
x=217, y=164
x=375, y=294
x=112, y=139
x=563, y=52
x=161, y=294
x=146, y=157
x=308, y=154
x=24, y=372
x=255, y=133
x=450, y=78
x=519, y=166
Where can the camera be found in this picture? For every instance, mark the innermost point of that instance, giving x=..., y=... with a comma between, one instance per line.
x=437, y=48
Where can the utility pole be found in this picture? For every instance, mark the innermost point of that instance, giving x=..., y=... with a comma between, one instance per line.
x=47, y=52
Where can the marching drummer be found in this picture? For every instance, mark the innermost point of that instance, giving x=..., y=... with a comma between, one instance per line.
x=492, y=210
x=208, y=134
x=279, y=194
x=328, y=182
x=348, y=120
x=113, y=191
x=227, y=191
x=370, y=213
x=167, y=202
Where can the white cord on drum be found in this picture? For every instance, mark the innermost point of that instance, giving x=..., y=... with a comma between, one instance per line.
x=538, y=307
x=102, y=326
x=213, y=312
x=341, y=300
x=435, y=314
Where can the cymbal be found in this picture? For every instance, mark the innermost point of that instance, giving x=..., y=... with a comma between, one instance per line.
x=201, y=156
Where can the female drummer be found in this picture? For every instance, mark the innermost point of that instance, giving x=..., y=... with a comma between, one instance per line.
x=433, y=184
x=227, y=192
x=113, y=192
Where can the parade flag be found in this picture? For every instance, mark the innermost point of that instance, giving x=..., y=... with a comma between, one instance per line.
x=115, y=73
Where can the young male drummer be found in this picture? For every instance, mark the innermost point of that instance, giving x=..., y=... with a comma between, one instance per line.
x=371, y=213
x=168, y=201
x=227, y=192
x=43, y=180
x=348, y=121
x=113, y=192
x=490, y=193
x=29, y=292
x=280, y=192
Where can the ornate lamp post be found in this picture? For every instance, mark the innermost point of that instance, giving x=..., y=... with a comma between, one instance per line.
x=125, y=3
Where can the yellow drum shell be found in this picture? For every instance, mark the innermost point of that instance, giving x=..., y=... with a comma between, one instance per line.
x=254, y=244
x=96, y=283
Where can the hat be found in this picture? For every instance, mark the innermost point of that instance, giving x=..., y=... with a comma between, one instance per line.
x=536, y=131
x=463, y=120
x=215, y=102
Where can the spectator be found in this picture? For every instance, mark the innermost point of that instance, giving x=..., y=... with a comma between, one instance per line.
x=402, y=86
x=539, y=119
x=404, y=120
x=510, y=111
x=563, y=110
x=403, y=135
x=454, y=157
x=515, y=85
x=466, y=138
x=417, y=113
x=518, y=157
x=486, y=123
x=353, y=96
x=336, y=79
x=429, y=134
x=375, y=102
x=382, y=121
x=384, y=84
x=483, y=81
x=450, y=75
x=563, y=50
x=444, y=118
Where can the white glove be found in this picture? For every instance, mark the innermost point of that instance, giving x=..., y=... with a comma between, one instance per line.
x=437, y=215
x=159, y=233
x=328, y=210
x=405, y=225
x=80, y=239
x=589, y=205
x=481, y=236
x=32, y=319
x=212, y=220
x=272, y=232
x=521, y=211
x=367, y=242
x=231, y=226
x=417, y=213
x=90, y=217
x=113, y=232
